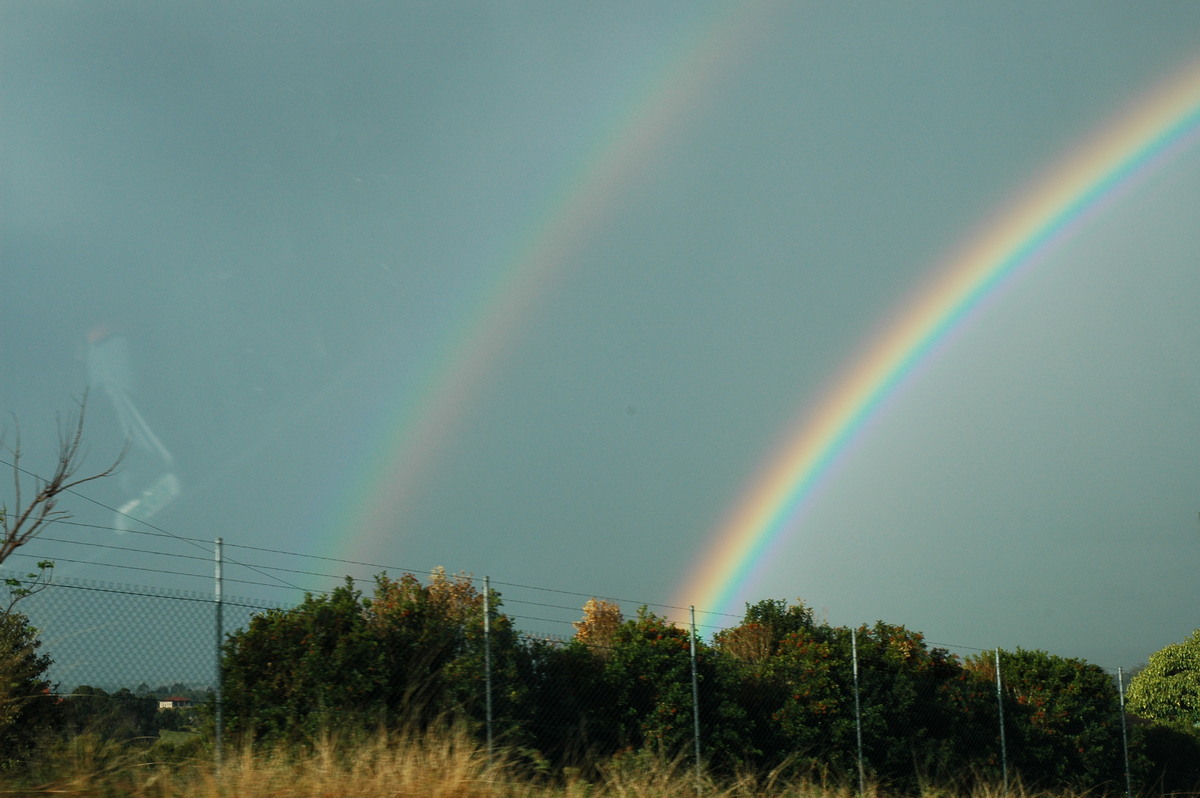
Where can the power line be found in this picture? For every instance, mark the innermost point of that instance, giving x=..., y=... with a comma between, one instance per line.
x=111, y=547
x=262, y=569
x=473, y=578
x=165, y=532
x=146, y=592
x=67, y=522
x=124, y=567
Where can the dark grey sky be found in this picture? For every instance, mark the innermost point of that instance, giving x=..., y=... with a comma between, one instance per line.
x=289, y=210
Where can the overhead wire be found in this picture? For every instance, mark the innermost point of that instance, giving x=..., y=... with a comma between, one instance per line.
x=232, y=601
x=112, y=547
x=474, y=579
x=17, y=468
x=266, y=571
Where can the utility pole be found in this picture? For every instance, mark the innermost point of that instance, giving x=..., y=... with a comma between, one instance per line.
x=220, y=635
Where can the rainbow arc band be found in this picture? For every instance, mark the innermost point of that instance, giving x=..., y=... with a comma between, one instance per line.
x=1137, y=143
x=424, y=413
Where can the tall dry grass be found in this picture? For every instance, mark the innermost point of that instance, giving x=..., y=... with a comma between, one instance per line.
x=447, y=764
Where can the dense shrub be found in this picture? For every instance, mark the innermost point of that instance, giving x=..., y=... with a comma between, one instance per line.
x=27, y=708
x=1062, y=718
x=1167, y=690
x=777, y=693
x=409, y=654
x=119, y=716
x=922, y=715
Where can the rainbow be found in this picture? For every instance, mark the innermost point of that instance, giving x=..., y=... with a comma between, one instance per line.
x=421, y=417
x=1088, y=180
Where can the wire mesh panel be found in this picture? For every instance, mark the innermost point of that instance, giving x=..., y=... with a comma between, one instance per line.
x=779, y=692
x=112, y=636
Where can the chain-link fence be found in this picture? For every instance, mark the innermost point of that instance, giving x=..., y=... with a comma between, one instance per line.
x=113, y=636
x=869, y=704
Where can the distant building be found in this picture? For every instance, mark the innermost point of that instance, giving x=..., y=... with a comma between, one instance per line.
x=174, y=702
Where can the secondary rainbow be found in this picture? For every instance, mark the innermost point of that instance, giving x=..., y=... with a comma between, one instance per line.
x=421, y=417
x=1088, y=180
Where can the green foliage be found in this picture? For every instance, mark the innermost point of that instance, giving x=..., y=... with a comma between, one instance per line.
x=922, y=714
x=299, y=667
x=119, y=716
x=572, y=719
x=1062, y=718
x=1166, y=696
x=809, y=679
x=648, y=676
x=630, y=690
x=27, y=708
x=408, y=654
x=778, y=620
x=924, y=717
x=762, y=686
x=1165, y=759
x=777, y=692
x=34, y=582
x=1168, y=689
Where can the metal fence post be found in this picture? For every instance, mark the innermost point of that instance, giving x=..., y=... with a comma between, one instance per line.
x=857, y=709
x=218, y=721
x=487, y=657
x=1000, y=709
x=695, y=702
x=1124, y=733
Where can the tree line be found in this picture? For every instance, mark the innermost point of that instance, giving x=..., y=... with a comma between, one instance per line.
x=776, y=692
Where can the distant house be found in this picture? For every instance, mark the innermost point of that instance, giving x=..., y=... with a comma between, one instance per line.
x=174, y=702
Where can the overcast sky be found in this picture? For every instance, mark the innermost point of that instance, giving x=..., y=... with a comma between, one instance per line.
x=299, y=219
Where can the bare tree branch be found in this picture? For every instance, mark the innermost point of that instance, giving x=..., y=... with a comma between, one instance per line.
x=26, y=520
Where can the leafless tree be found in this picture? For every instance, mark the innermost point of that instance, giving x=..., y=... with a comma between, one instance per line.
x=27, y=518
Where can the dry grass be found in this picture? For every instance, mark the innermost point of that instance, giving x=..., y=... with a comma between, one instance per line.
x=444, y=765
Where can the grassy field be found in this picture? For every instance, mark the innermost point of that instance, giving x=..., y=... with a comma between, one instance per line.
x=448, y=764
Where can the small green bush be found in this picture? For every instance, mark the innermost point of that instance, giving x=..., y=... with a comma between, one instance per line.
x=27, y=708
